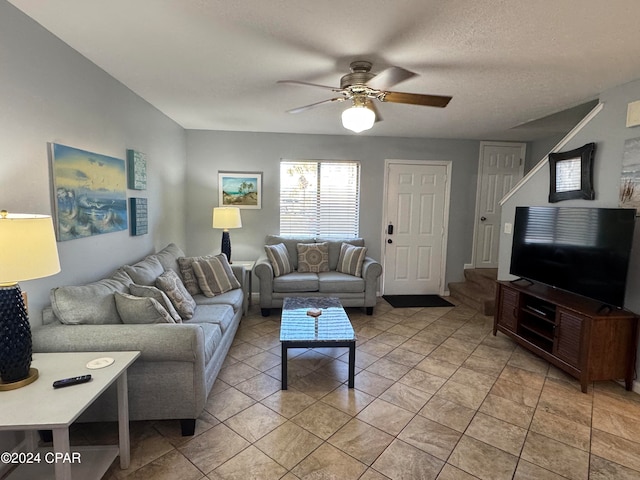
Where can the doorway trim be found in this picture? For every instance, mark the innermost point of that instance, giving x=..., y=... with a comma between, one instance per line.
x=445, y=225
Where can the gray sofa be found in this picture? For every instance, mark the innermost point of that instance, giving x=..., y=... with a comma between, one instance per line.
x=179, y=362
x=353, y=291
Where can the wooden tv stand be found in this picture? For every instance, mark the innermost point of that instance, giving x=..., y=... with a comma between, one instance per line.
x=573, y=333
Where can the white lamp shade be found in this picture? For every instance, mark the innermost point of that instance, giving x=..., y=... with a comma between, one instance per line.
x=28, y=247
x=358, y=118
x=226, y=217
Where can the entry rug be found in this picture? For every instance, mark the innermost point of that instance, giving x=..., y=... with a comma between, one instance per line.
x=407, y=301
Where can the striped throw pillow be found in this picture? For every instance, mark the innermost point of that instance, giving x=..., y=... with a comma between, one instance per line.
x=279, y=258
x=189, y=279
x=351, y=259
x=215, y=276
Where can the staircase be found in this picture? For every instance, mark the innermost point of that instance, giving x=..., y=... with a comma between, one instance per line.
x=478, y=289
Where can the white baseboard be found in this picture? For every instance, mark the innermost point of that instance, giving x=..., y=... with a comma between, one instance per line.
x=468, y=266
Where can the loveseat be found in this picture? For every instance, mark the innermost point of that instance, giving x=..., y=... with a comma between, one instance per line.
x=181, y=353
x=316, y=267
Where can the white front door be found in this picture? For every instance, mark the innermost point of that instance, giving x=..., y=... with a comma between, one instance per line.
x=501, y=166
x=416, y=210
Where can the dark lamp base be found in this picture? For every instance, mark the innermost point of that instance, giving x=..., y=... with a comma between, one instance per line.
x=32, y=377
x=15, y=348
x=226, y=245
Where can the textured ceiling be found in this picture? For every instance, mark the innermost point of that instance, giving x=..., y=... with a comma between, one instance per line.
x=214, y=64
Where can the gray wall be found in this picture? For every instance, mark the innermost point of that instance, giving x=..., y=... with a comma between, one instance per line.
x=608, y=130
x=539, y=149
x=50, y=93
x=209, y=152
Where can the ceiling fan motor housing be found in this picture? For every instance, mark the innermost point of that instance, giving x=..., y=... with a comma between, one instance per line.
x=360, y=74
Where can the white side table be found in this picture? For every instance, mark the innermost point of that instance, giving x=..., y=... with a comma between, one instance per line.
x=39, y=406
x=248, y=266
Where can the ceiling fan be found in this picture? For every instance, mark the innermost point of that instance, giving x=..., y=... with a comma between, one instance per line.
x=362, y=87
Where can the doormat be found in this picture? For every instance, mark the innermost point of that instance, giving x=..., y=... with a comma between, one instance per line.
x=407, y=301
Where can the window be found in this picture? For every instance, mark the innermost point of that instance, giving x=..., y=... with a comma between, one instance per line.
x=319, y=198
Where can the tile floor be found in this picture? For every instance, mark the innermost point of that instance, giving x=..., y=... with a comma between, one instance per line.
x=437, y=397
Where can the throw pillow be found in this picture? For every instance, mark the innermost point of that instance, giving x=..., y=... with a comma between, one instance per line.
x=279, y=258
x=158, y=295
x=89, y=304
x=313, y=257
x=351, y=259
x=188, y=276
x=145, y=271
x=168, y=257
x=135, y=310
x=169, y=282
x=215, y=276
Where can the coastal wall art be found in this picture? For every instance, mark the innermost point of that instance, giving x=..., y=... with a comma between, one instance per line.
x=89, y=193
x=139, y=213
x=137, y=166
x=240, y=189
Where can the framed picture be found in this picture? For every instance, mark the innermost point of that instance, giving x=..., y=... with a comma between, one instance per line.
x=139, y=216
x=571, y=174
x=89, y=193
x=240, y=189
x=137, y=166
x=630, y=176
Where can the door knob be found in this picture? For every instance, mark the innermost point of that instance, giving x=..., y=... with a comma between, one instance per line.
x=389, y=241
x=482, y=219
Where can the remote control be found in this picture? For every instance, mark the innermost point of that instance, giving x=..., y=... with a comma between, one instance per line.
x=66, y=382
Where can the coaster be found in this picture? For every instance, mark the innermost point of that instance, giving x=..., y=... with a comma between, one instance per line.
x=100, y=363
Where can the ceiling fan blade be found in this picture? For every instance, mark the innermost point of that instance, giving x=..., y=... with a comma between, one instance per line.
x=372, y=106
x=390, y=77
x=313, y=105
x=307, y=84
x=416, y=99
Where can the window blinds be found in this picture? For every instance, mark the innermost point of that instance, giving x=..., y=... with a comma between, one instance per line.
x=319, y=198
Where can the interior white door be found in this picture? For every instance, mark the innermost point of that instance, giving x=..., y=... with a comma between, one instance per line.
x=415, y=229
x=501, y=166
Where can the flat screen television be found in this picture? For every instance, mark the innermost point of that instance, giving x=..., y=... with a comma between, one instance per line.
x=581, y=250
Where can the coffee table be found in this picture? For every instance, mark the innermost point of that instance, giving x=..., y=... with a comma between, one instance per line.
x=39, y=406
x=331, y=329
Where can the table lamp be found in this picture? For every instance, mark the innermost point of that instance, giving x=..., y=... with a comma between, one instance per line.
x=226, y=218
x=27, y=251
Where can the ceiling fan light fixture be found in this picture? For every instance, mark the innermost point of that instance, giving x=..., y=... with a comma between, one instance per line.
x=358, y=118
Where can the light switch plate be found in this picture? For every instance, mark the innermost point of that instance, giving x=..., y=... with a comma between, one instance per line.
x=508, y=228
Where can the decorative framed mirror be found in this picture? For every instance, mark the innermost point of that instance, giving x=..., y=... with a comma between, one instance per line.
x=571, y=174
